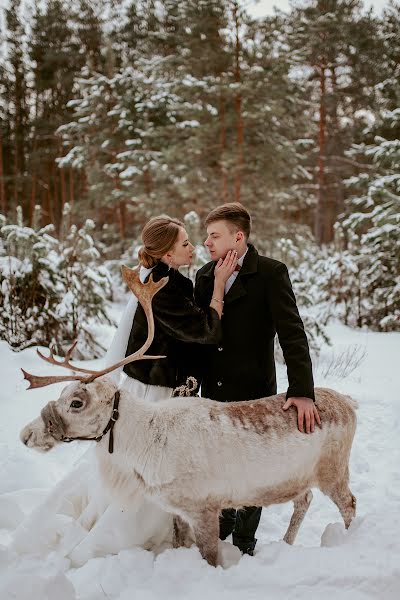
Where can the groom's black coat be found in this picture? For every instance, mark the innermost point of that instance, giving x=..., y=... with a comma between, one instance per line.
x=259, y=304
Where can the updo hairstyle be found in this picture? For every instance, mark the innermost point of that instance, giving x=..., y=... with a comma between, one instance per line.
x=159, y=235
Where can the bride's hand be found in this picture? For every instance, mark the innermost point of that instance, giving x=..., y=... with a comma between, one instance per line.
x=224, y=268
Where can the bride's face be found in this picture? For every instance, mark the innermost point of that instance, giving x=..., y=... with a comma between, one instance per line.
x=182, y=252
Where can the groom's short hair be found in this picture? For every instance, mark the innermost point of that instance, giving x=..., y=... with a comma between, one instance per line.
x=233, y=212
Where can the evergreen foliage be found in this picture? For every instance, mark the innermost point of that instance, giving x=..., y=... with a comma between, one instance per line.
x=300, y=256
x=51, y=290
x=372, y=228
x=336, y=46
x=123, y=111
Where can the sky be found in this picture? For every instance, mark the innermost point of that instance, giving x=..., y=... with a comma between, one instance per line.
x=260, y=8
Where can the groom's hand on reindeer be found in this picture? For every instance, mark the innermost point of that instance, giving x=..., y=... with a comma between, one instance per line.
x=306, y=412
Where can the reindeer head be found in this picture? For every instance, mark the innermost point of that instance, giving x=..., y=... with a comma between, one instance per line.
x=85, y=407
x=82, y=411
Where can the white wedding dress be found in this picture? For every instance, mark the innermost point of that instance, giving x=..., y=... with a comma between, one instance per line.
x=79, y=520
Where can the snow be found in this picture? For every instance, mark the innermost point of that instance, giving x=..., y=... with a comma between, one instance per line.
x=130, y=171
x=326, y=560
x=9, y=264
x=184, y=124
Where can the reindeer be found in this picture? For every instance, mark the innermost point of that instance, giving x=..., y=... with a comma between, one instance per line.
x=179, y=452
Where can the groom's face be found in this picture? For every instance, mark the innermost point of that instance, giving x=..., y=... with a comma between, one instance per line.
x=221, y=237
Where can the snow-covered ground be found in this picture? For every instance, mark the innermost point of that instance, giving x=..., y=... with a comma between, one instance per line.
x=326, y=561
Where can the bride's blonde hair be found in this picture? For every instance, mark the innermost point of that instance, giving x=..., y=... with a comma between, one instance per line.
x=159, y=235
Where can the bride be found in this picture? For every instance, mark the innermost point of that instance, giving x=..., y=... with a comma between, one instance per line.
x=79, y=519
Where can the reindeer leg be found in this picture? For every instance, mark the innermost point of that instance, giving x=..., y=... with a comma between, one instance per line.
x=205, y=525
x=301, y=505
x=181, y=534
x=346, y=503
x=339, y=492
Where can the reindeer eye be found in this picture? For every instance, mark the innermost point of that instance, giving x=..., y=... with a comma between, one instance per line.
x=76, y=404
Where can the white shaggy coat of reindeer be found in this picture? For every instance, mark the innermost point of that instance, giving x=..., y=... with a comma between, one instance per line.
x=194, y=456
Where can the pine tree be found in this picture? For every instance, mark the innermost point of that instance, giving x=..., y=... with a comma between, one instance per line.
x=18, y=103
x=56, y=55
x=372, y=225
x=388, y=89
x=87, y=285
x=130, y=140
x=89, y=26
x=339, y=45
x=51, y=292
x=30, y=284
x=277, y=135
x=5, y=138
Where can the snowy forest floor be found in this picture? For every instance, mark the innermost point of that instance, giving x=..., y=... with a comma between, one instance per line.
x=363, y=562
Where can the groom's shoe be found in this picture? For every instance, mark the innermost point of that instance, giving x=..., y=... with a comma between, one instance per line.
x=245, y=548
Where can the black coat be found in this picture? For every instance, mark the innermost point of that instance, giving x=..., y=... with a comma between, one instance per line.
x=178, y=323
x=259, y=304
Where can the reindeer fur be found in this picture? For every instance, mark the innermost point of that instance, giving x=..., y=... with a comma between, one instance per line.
x=194, y=456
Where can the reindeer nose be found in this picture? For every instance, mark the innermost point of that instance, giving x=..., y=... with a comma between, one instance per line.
x=26, y=436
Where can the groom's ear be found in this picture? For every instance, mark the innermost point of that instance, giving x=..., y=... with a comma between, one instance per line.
x=239, y=236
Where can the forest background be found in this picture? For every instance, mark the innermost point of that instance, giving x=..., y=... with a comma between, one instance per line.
x=113, y=112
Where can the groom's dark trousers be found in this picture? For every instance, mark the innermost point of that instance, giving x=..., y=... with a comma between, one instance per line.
x=259, y=305
x=242, y=524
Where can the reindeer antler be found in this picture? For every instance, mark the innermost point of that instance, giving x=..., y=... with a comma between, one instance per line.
x=144, y=293
x=65, y=362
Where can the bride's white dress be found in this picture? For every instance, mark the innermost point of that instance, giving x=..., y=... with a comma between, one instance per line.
x=78, y=519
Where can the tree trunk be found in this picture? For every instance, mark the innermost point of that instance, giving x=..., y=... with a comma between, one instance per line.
x=337, y=203
x=19, y=141
x=49, y=196
x=359, y=303
x=3, y=198
x=71, y=188
x=56, y=196
x=32, y=202
x=238, y=108
x=147, y=182
x=16, y=172
x=50, y=205
x=63, y=189
x=222, y=138
x=122, y=218
x=83, y=183
x=319, y=214
x=121, y=211
x=63, y=196
x=46, y=203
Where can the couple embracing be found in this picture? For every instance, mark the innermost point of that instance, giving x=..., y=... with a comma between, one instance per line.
x=223, y=331
x=222, y=334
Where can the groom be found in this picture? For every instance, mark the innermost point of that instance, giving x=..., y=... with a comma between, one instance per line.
x=259, y=302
